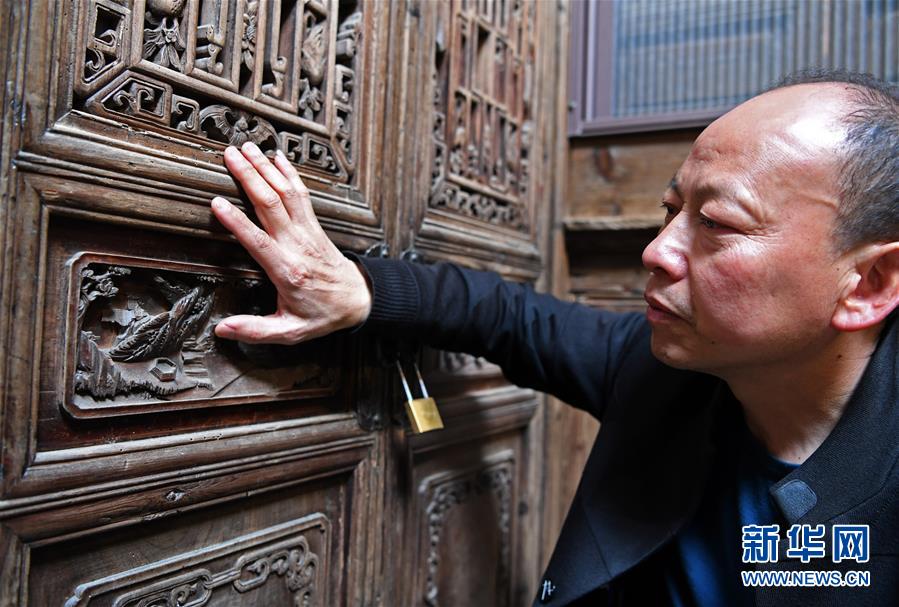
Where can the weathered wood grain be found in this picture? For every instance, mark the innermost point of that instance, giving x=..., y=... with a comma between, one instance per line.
x=141, y=458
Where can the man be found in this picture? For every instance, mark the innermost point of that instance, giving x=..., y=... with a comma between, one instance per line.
x=759, y=389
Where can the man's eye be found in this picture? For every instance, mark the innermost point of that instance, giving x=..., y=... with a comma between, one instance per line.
x=708, y=223
x=670, y=211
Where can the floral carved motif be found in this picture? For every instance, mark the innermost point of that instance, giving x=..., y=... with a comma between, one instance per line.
x=248, y=39
x=164, y=39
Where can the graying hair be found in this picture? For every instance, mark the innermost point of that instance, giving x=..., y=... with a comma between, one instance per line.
x=869, y=177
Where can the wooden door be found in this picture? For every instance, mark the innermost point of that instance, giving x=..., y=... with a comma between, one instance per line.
x=484, y=108
x=146, y=462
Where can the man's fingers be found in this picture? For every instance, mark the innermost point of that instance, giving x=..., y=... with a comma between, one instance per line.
x=269, y=207
x=300, y=204
x=256, y=241
x=289, y=191
x=264, y=167
x=272, y=329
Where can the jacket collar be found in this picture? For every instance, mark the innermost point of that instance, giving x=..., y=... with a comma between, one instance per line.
x=854, y=461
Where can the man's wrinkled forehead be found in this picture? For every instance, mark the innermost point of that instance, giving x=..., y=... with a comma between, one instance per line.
x=799, y=123
x=789, y=137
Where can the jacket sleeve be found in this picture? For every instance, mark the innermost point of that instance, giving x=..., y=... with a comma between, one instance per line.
x=565, y=349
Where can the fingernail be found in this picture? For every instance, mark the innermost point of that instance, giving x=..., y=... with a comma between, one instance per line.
x=281, y=155
x=223, y=330
x=220, y=204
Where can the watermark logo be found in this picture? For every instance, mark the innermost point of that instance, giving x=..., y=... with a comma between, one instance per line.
x=760, y=543
x=850, y=543
x=806, y=579
x=805, y=543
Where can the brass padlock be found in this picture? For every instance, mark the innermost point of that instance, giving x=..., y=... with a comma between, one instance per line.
x=422, y=412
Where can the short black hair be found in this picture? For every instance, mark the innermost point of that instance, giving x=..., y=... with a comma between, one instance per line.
x=869, y=178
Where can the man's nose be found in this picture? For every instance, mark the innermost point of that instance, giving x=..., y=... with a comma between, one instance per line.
x=667, y=252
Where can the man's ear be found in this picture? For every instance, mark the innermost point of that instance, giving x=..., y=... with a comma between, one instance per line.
x=872, y=289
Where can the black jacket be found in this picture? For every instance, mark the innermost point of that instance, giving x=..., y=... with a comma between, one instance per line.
x=645, y=475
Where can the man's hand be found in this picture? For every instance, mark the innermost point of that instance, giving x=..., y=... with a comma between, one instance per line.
x=319, y=290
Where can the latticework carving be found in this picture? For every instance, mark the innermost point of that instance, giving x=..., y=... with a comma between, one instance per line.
x=280, y=73
x=483, y=70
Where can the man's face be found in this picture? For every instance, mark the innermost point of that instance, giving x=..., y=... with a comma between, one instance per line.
x=744, y=274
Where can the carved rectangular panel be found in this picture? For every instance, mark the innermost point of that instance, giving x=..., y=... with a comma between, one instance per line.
x=288, y=546
x=293, y=555
x=469, y=504
x=455, y=504
x=133, y=336
x=139, y=338
x=142, y=340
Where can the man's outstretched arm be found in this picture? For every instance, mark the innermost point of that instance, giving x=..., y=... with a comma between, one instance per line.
x=569, y=350
x=562, y=348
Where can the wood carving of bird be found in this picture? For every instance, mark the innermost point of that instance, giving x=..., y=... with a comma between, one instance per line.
x=160, y=334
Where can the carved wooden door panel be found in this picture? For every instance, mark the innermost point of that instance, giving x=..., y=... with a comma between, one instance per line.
x=485, y=111
x=146, y=462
